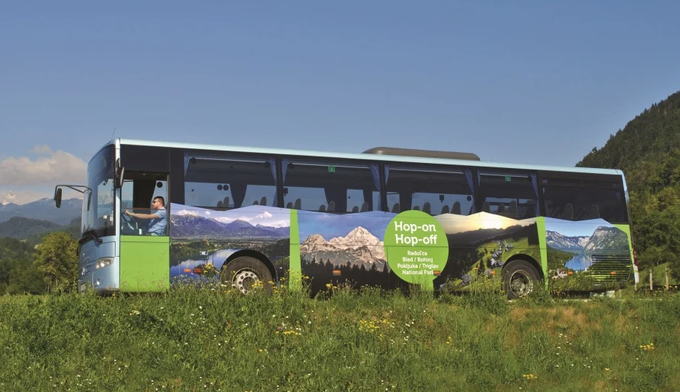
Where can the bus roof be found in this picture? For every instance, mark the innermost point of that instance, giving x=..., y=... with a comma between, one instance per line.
x=365, y=156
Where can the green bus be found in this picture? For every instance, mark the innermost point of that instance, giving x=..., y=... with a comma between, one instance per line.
x=155, y=213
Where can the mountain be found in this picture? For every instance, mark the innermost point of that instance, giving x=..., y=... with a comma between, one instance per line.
x=647, y=149
x=651, y=138
x=559, y=241
x=33, y=230
x=20, y=228
x=358, y=247
x=606, y=240
x=194, y=226
x=43, y=209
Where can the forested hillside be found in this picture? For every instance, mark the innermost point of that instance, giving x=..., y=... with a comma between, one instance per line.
x=648, y=151
x=20, y=228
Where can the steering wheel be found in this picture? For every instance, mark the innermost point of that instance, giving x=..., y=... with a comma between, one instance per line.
x=128, y=224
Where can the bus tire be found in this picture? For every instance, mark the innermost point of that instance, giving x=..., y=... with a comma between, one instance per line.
x=519, y=279
x=245, y=272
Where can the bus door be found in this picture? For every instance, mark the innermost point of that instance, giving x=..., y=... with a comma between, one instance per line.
x=144, y=235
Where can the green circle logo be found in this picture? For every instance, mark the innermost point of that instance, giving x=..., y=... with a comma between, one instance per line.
x=416, y=247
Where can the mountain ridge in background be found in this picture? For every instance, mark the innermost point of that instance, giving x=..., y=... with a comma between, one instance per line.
x=43, y=209
x=33, y=230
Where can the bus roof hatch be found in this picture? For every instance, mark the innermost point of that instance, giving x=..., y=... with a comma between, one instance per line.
x=411, y=152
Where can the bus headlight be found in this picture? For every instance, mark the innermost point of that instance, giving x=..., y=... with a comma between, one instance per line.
x=103, y=262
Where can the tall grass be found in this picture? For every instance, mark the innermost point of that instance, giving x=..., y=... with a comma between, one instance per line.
x=204, y=339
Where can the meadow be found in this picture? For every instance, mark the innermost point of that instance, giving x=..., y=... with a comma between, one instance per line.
x=212, y=339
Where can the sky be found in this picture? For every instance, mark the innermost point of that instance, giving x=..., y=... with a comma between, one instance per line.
x=525, y=82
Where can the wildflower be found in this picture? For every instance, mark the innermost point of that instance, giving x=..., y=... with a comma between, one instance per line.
x=135, y=313
x=606, y=369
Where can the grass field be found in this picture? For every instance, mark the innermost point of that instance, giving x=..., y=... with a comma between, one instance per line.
x=206, y=340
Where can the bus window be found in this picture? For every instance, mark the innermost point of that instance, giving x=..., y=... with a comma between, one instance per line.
x=584, y=199
x=137, y=199
x=509, y=194
x=330, y=186
x=432, y=191
x=224, y=183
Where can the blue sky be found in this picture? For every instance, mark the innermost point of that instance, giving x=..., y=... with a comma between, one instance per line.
x=523, y=82
x=331, y=225
x=575, y=229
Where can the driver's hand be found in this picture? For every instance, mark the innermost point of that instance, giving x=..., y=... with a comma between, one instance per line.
x=127, y=212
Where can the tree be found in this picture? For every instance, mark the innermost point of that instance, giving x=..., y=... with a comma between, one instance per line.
x=15, y=256
x=26, y=279
x=57, y=261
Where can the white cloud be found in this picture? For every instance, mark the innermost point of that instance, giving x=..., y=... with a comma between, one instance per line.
x=225, y=219
x=185, y=212
x=263, y=215
x=50, y=169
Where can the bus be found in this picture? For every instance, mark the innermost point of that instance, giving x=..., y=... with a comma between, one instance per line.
x=155, y=213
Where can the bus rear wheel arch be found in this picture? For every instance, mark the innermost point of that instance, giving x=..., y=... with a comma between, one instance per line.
x=520, y=278
x=245, y=273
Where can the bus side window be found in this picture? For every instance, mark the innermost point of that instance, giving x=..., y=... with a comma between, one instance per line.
x=316, y=185
x=433, y=190
x=225, y=182
x=584, y=199
x=510, y=194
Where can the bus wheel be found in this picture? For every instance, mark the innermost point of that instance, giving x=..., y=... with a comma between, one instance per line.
x=245, y=273
x=519, y=278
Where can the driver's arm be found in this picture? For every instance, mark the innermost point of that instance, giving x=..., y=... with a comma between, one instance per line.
x=142, y=216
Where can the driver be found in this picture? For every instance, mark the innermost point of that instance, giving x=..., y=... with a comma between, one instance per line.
x=158, y=221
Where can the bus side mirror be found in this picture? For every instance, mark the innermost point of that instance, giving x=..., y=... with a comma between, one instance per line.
x=57, y=197
x=119, y=173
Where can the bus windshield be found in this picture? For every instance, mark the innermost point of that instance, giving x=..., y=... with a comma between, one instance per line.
x=99, y=219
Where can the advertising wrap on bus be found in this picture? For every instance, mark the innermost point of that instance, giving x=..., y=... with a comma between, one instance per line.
x=390, y=249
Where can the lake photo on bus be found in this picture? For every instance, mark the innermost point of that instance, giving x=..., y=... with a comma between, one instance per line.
x=204, y=238
x=579, y=247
